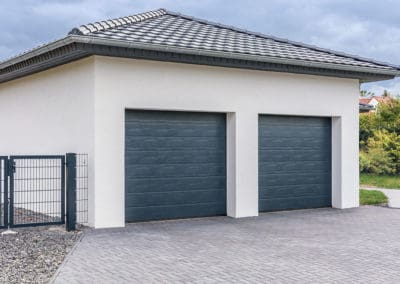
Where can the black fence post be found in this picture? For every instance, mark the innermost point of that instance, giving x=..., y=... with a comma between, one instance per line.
x=71, y=192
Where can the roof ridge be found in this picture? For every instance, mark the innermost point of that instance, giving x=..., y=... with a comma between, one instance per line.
x=116, y=22
x=282, y=40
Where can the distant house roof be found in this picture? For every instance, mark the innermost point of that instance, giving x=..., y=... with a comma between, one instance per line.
x=380, y=99
x=364, y=100
x=169, y=36
x=365, y=107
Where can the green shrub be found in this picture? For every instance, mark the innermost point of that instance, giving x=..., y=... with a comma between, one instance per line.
x=380, y=139
x=365, y=163
x=367, y=128
x=381, y=153
x=388, y=143
x=388, y=116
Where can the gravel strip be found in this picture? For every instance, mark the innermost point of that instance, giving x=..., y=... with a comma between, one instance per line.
x=26, y=216
x=34, y=254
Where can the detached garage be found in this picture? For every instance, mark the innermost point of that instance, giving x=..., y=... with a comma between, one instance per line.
x=185, y=118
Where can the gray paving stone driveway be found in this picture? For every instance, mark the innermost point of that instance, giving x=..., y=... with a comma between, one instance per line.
x=311, y=246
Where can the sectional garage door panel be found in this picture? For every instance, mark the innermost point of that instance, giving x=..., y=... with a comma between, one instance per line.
x=175, y=165
x=294, y=162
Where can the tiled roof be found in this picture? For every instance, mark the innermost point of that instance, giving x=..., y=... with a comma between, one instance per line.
x=364, y=100
x=165, y=28
x=168, y=36
x=380, y=99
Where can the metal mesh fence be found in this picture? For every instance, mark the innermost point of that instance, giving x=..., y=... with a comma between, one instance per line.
x=38, y=190
x=82, y=186
x=35, y=187
x=2, y=190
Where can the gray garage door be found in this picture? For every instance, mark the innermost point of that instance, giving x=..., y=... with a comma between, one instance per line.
x=294, y=162
x=175, y=165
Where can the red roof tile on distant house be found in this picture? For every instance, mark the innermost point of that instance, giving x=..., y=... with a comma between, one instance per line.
x=365, y=100
x=378, y=98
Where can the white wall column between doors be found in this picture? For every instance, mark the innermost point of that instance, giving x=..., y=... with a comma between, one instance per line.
x=242, y=164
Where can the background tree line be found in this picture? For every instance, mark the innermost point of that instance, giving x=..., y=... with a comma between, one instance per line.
x=380, y=139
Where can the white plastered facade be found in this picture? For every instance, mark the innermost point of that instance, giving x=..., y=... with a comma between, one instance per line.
x=80, y=107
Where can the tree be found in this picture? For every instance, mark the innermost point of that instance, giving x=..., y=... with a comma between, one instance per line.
x=380, y=139
x=381, y=154
x=366, y=94
x=388, y=116
x=386, y=94
x=367, y=128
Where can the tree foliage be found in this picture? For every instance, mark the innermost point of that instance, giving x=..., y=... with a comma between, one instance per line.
x=380, y=139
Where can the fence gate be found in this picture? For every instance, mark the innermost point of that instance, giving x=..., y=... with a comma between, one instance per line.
x=3, y=192
x=36, y=190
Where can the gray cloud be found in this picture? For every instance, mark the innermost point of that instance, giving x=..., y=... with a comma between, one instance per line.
x=368, y=28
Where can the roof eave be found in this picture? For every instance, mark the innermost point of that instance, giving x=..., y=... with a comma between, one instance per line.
x=120, y=43
x=38, y=51
x=89, y=40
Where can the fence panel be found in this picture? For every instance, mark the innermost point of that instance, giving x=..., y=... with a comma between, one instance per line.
x=3, y=192
x=82, y=186
x=37, y=190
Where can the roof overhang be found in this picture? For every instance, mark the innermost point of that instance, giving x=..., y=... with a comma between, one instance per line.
x=74, y=47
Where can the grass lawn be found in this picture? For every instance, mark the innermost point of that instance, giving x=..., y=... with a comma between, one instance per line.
x=372, y=197
x=380, y=181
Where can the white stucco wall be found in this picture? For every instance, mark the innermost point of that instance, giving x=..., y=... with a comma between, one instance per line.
x=51, y=112
x=243, y=94
x=80, y=107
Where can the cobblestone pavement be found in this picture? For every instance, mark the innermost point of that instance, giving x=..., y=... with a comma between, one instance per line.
x=359, y=245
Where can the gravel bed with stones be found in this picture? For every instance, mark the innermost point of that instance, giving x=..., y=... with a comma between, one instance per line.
x=34, y=254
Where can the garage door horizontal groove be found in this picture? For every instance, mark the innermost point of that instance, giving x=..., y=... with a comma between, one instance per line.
x=175, y=164
x=271, y=124
x=179, y=205
x=306, y=161
x=173, y=149
x=295, y=172
x=311, y=194
x=288, y=164
x=140, y=201
x=275, y=149
x=145, y=186
x=299, y=197
x=138, y=138
x=303, y=184
x=267, y=182
x=297, y=158
x=177, y=191
x=172, y=177
x=300, y=172
x=172, y=136
x=171, y=121
x=165, y=176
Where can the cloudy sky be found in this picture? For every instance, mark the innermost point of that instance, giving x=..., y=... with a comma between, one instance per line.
x=368, y=28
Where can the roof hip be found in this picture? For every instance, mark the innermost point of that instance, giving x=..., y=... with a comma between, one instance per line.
x=117, y=22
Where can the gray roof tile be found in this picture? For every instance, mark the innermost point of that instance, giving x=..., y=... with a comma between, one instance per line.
x=163, y=27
